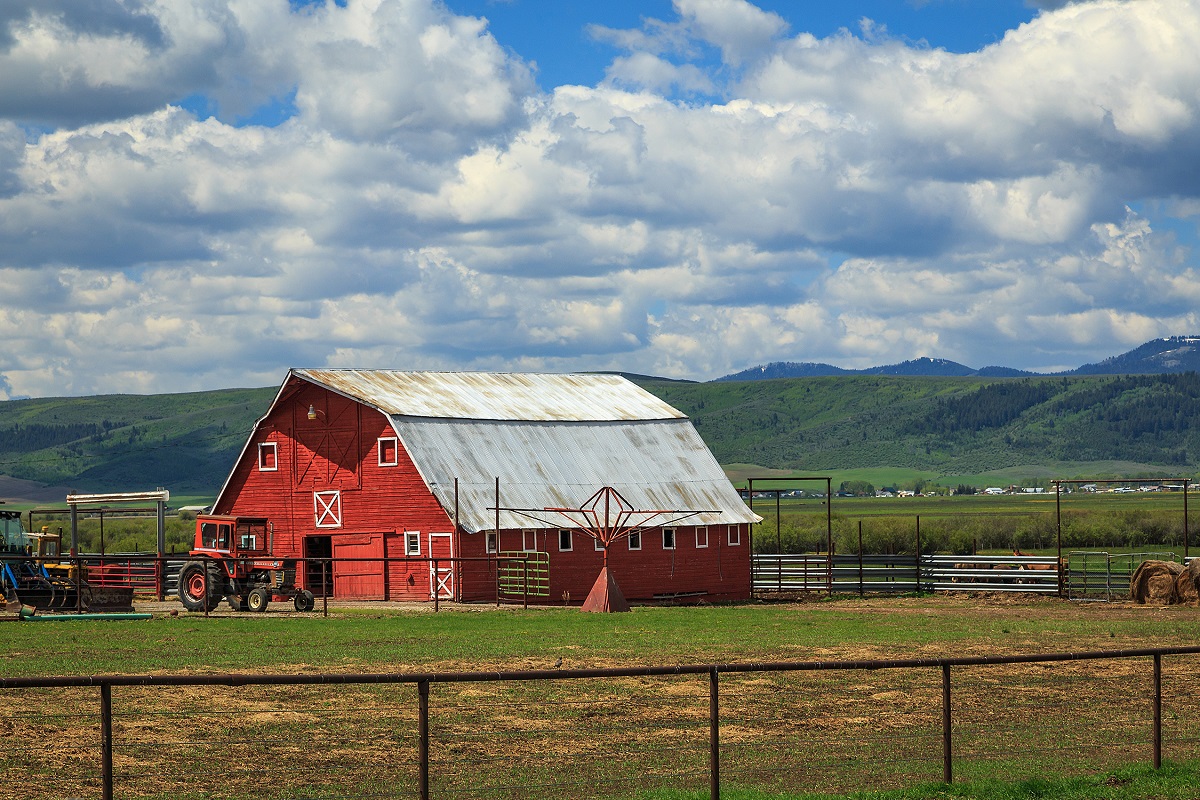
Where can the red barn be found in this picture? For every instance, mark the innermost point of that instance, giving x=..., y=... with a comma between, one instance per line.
x=372, y=463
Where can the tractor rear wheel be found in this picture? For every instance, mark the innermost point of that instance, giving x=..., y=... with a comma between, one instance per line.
x=257, y=599
x=199, y=586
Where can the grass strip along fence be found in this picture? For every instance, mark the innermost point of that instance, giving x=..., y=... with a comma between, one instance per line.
x=607, y=732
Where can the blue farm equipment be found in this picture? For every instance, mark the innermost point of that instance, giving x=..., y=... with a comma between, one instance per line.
x=31, y=573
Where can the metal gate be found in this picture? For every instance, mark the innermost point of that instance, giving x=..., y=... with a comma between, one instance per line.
x=521, y=574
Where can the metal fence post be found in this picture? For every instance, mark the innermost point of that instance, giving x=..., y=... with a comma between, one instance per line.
x=714, y=737
x=106, y=745
x=325, y=586
x=947, y=739
x=861, y=588
x=1157, y=711
x=423, y=734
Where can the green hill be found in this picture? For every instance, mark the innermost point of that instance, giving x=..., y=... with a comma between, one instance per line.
x=945, y=425
x=184, y=442
x=923, y=425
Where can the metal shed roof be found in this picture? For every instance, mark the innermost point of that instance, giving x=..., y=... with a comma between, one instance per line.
x=656, y=464
x=495, y=396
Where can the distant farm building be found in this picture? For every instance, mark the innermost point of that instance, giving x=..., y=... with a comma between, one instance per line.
x=367, y=464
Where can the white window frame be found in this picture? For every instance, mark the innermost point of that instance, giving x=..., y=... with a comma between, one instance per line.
x=668, y=533
x=327, y=507
x=528, y=534
x=701, y=543
x=395, y=443
x=735, y=536
x=569, y=538
x=492, y=543
x=634, y=536
x=597, y=545
x=409, y=538
x=273, y=449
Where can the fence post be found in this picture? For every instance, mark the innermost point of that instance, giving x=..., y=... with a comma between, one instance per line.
x=423, y=734
x=861, y=588
x=106, y=745
x=1157, y=711
x=947, y=740
x=918, y=553
x=79, y=581
x=160, y=577
x=325, y=586
x=714, y=737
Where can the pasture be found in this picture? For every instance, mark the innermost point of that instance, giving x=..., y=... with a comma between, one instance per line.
x=781, y=733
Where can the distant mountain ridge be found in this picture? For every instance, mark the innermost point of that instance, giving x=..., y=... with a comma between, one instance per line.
x=1169, y=355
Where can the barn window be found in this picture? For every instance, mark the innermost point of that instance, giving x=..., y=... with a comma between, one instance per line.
x=389, y=448
x=735, y=535
x=529, y=541
x=597, y=544
x=635, y=540
x=268, y=457
x=412, y=543
x=565, y=542
x=328, y=509
x=701, y=536
x=668, y=538
x=491, y=542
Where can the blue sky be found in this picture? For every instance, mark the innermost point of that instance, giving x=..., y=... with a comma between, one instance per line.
x=555, y=34
x=203, y=193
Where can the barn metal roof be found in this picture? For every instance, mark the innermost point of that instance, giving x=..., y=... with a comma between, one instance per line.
x=656, y=464
x=495, y=396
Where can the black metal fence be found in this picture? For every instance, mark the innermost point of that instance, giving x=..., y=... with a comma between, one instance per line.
x=1081, y=575
x=806, y=725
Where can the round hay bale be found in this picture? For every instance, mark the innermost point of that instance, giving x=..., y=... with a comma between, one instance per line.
x=1187, y=583
x=1154, y=582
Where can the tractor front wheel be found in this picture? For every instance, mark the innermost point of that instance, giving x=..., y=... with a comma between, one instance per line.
x=199, y=586
x=257, y=599
x=304, y=600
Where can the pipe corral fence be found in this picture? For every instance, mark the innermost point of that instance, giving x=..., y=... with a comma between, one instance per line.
x=584, y=733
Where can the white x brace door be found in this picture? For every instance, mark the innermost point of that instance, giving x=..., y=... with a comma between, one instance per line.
x=441, y=579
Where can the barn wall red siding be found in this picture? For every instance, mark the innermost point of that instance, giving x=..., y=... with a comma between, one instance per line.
x=325, y=479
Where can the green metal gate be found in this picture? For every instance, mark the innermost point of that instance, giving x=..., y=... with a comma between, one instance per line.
x=522, y=574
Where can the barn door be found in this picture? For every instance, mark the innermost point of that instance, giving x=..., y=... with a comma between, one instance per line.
x=362, y=578
x=441, y=576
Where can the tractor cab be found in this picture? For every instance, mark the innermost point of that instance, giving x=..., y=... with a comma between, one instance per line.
x=231, y=536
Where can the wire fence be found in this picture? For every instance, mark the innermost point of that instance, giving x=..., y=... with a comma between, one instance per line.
x=599, y=733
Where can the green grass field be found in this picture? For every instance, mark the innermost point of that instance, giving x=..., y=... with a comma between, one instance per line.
x=783, y=734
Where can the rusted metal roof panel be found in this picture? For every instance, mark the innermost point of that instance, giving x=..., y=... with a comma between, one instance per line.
x=656, y=464
x=495, y=396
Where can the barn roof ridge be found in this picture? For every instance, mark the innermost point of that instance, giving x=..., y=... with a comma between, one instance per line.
x=497, y=396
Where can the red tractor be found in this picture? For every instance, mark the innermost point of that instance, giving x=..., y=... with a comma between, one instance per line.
x=232, y=561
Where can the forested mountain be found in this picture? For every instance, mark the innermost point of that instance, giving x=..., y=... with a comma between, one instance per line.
x=955, y=425
x=1171, y=354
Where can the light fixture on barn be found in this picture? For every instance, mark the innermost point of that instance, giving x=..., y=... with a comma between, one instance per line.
x=607, y=517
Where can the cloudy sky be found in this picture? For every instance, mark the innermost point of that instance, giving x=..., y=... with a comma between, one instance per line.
x=202, y=193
